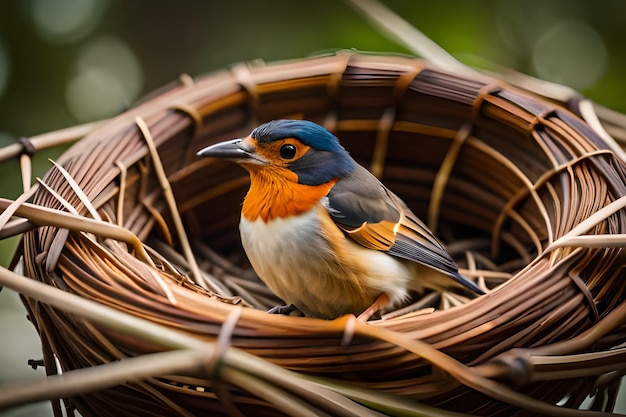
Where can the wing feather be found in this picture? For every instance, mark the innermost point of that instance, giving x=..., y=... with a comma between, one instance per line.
x=376, y=218
x=377, y=236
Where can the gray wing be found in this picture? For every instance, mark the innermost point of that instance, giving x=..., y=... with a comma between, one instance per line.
x=376, y=218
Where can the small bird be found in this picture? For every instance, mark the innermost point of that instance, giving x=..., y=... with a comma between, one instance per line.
x=323, y=233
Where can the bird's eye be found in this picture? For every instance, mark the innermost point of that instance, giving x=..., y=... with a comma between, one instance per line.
x=287, y=151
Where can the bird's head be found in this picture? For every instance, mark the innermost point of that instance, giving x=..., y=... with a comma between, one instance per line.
x=299, y=150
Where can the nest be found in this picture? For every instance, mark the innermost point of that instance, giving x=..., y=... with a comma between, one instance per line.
x=527, y=196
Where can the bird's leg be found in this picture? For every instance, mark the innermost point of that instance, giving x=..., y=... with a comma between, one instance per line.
x=285, y=310
x=380, y=303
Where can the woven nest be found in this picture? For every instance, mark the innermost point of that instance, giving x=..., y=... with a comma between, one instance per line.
x=525, y=194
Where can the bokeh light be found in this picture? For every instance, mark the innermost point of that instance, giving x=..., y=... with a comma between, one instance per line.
x=521, y=23
x=107, y=78
x=570, y=53
x=63, y=21
x=554, y=40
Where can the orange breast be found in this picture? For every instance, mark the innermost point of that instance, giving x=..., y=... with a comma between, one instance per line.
x=274, y=192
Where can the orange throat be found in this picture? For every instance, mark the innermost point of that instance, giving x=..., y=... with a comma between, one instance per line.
x=274, y=192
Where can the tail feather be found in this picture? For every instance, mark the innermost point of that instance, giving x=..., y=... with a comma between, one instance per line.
x=470, y=285
x=427, y=277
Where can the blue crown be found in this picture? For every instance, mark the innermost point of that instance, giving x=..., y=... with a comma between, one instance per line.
x=309, y=133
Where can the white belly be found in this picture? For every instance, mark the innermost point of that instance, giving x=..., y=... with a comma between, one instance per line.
x=294, y=258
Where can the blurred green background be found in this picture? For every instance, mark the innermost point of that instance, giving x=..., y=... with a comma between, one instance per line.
x=64, y=62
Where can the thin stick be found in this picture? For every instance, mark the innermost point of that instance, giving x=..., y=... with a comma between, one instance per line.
x=443, y=175
x=201, y=280
x=96, y=378
x=587, y=224
x=111, y=318
x=467, y=376
x=402, y=32
x=43, y=216
x=77, y=190
x=587, y=110
x=51, y=139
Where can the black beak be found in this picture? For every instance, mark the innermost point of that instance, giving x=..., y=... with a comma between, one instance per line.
x=236, y=150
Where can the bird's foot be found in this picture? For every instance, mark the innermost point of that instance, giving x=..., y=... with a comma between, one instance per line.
x=377, y=306
x=284, y=310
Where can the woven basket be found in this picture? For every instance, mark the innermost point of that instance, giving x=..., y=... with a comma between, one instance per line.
x=508, y=180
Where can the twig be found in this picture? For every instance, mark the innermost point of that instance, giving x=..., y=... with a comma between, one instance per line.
x=49, y=217
x=111, y=318
x=467, y=376
x=574, y=237
x=402, y=32
x=96, y=378
x=201, y=279
x=51, y=139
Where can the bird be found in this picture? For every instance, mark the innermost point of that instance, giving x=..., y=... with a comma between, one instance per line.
x=323, y=233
